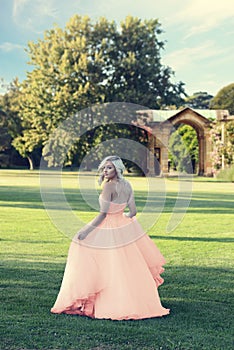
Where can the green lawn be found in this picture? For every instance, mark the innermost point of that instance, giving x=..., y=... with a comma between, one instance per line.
x=197, y=285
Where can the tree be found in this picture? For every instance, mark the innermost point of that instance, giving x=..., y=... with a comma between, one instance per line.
x=10, y=122
x=224, y=99
x=83, y=132
x=16, y=124
x=9, y=104
x=91, y=63
x=183, y=147
x=5, y=140
x=138, y=74
x=199, y=100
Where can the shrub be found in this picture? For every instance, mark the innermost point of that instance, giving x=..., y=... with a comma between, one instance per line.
x=226, y=174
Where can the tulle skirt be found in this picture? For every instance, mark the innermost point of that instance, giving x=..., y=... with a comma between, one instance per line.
x=113, y=282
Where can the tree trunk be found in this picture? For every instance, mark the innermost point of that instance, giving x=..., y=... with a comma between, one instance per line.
x=30, y=160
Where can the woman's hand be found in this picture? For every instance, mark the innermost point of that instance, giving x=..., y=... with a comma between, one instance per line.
x=130, y=216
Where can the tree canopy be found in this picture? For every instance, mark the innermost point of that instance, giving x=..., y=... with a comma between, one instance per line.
x=88, y=63
x=10, y=123
x=199, y=100
x=224, y=99
x=183, y=148
x=5, y=139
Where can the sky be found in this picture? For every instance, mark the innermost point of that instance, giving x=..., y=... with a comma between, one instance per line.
x=198, y=33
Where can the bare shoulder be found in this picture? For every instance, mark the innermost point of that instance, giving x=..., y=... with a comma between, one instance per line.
x=128, y=185
x=108, y=187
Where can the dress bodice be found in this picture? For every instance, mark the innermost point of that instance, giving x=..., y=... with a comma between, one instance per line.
x=111, y=207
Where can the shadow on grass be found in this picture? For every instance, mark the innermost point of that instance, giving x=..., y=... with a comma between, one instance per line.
x=31, y=241
x=30, y=197
x=165, y=237
x=196, y=239
x=199, y=298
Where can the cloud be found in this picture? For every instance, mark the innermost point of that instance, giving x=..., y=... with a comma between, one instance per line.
x=212, y=85
x=34, y=14
x=7, y=47
x=199, y=15
x=18, y=7
x=202, y=16
x=186, y=57
x=204, y=67
x=145, y=9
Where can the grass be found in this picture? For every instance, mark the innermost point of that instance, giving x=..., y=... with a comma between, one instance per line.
x=197, y=285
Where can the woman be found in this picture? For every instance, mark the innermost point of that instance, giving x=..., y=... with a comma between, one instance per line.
x=113, y=268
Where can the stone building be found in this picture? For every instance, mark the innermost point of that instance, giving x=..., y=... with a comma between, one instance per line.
x=162, y=122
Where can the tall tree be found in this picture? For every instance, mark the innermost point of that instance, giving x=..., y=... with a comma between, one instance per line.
x=5, y=140
x=199, y=100
x=9, y=120
x=138, y=74
x=89, y=63
x=9, y=103
x=224, y=99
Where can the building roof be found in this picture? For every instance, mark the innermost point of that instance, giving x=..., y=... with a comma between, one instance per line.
x=162, y=115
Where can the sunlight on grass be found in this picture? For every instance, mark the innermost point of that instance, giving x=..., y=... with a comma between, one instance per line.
x=198, y=273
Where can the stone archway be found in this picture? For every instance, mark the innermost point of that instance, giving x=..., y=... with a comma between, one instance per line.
x=160, y=134
x=201, y=125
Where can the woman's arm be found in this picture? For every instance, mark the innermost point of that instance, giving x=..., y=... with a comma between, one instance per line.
x=105, y=203
x=131, y=206
x=91, y=226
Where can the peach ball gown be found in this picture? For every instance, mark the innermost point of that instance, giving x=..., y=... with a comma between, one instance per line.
x=114, y=273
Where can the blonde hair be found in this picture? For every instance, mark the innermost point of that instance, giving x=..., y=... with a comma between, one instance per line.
x=118, y=164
